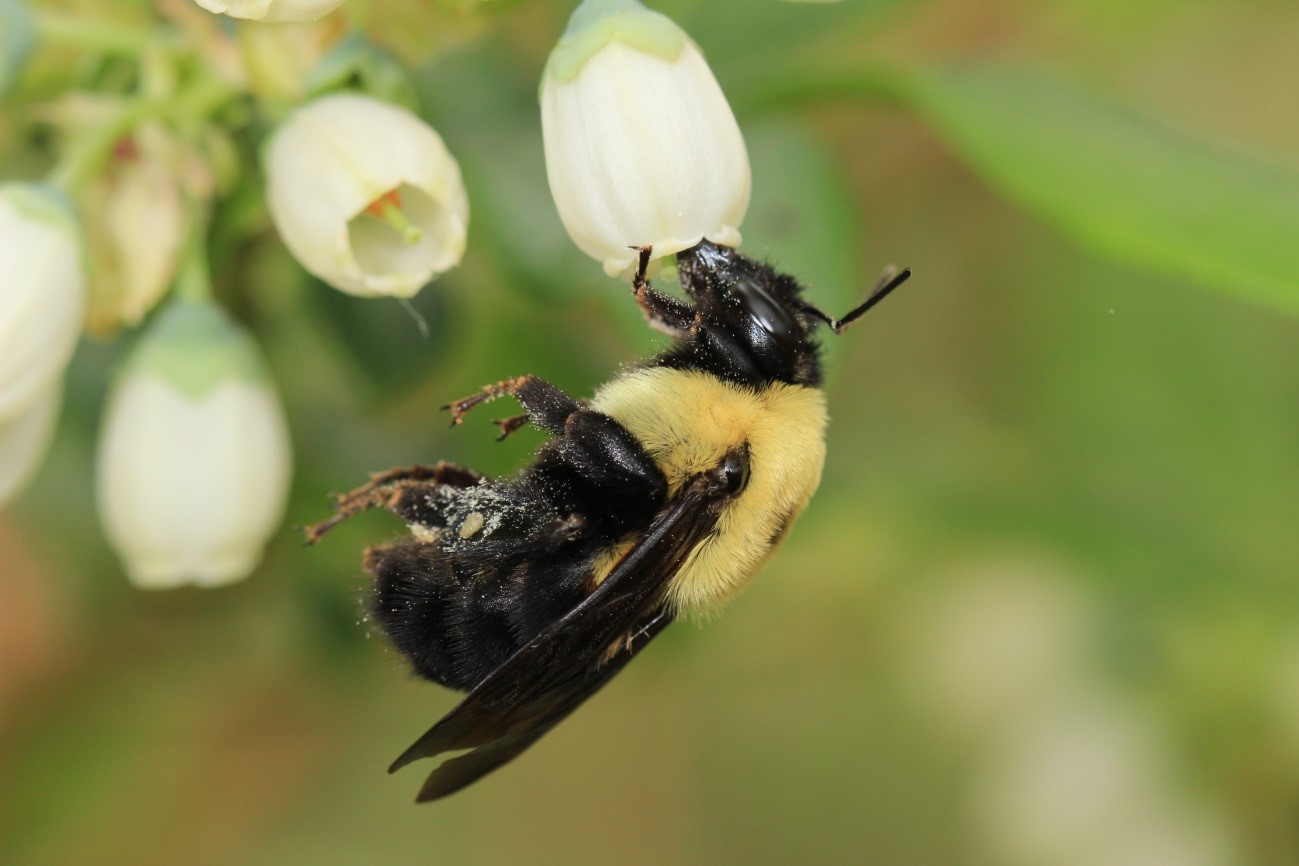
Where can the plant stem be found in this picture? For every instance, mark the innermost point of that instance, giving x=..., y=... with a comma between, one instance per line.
x=194, y=277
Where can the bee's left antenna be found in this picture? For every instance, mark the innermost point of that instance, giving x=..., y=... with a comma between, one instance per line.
x=884, y=286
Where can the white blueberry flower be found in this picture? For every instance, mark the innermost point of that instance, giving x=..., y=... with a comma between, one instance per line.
x=194, y=458
x=641, y=146
x=366, y=196
x=42, y=293
x=25, y=438
x=272, y=10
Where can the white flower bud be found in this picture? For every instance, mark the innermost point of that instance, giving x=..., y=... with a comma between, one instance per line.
x=135, y=224
x=272, y=10
x=194, y=458
x=366, y=196
x=25, y=438
x=42, y=293
x=641, y=146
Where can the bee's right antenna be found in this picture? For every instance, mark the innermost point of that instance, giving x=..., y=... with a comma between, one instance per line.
x=884, y=286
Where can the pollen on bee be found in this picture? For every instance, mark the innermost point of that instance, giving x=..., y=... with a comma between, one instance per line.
x=424, y=534
x=472, y=526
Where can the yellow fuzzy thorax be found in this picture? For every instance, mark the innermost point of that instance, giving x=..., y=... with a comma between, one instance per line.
x=688, y=421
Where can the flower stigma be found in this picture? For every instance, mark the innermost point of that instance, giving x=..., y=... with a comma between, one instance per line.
x=387, y=207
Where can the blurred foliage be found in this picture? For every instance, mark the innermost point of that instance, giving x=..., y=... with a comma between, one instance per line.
x=1043, y=610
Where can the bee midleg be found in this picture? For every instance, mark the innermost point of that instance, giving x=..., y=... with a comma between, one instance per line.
x=387, y=489
x=546, y=405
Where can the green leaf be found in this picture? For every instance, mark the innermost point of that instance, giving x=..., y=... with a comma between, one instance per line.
x=1128, y=187
x=803, y=218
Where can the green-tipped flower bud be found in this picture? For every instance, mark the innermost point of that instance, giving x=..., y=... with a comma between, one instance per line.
x=194, y=456
x=641, y=146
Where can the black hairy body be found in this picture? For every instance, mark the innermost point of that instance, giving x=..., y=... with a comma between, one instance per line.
x=665, y=493
x=495, y=562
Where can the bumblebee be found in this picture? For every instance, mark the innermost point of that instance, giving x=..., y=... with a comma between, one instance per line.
x=663, y=495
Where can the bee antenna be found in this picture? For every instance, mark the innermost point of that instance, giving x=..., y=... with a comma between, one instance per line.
x=884, y=286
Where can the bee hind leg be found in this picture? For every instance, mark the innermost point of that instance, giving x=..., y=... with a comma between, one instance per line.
x=392, y=490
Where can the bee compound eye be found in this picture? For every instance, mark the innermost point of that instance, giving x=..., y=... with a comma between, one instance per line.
x=735, y=472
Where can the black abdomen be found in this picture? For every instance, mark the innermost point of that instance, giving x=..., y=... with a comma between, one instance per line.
x=457, y=618
x=495, y=563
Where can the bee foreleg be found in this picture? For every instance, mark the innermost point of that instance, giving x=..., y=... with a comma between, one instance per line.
x=665, y=313
x=547, y=406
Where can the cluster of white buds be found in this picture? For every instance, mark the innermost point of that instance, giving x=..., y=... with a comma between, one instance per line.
x=194, y=463
x=642, y=148
x=42, y=304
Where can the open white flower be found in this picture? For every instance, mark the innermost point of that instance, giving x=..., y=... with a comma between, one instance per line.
x=42, y=293
x=366, y=196
x=194, y=457
x=272, y=10
x=25, y=438
x=641, y=145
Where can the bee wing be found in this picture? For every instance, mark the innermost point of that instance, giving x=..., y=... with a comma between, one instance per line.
x=571, y=659
x=457, y=773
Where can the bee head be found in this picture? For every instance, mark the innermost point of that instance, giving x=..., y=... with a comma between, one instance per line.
x=753, y=319
x=750, y=314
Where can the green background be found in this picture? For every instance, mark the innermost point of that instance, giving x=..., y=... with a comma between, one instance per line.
x=1043, y=610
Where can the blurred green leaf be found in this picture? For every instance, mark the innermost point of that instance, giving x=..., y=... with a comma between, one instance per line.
x=17, y=35
x=1129, y=187
x=384, y=338
x=356, y=63
x=802, y=217
x=744, y=39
